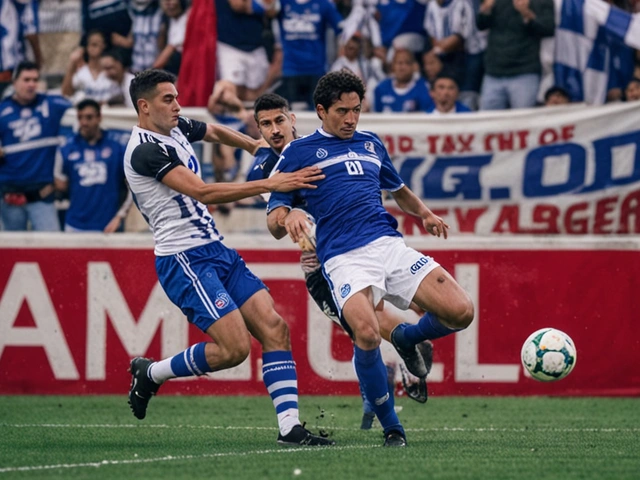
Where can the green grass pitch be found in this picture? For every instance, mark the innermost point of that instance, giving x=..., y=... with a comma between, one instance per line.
x=234, y=438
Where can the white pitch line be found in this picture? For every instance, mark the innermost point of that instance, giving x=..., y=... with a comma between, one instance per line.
x=171, y=458
x=326, y=427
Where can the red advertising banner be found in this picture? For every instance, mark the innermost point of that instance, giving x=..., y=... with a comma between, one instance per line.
x=71, y=317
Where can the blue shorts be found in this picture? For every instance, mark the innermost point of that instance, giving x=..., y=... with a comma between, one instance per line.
x=207, y=282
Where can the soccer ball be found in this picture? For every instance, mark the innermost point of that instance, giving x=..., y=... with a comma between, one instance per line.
x=548, y=355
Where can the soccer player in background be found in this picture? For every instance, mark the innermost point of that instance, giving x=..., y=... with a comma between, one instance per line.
x=362, y=253
x=208, y=281
x=277, y=126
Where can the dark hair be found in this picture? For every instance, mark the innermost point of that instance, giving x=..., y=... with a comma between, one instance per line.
x=633, y=80
x=22, y=66
x=556, y=89
x=269, y=101
x=114, y=53
x=332, y=85
x=145, y=83
x=448, y=75
x=105, y=39
x=88, y=103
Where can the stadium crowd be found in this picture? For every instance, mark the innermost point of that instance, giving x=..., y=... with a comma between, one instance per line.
x=435, y=56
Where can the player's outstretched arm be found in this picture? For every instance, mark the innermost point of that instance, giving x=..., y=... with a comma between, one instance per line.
x=183, y=180
x=411, y=204
x=229, y=136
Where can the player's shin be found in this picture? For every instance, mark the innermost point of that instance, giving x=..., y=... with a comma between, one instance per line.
x=280, y=378
x=372, y=375
x=189, y=363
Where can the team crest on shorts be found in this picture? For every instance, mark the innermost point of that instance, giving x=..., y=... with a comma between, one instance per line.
x=345, y=289
x=222, y=300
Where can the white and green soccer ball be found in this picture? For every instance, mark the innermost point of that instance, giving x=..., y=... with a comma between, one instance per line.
x=548, y=355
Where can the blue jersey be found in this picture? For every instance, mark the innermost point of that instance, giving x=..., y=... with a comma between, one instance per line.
x=413, y=98
x=29, y=138
x=303, y=29
x=96, y=181
x=459, y=108
x=400, y=16
x=263, y=164
x=347, y=204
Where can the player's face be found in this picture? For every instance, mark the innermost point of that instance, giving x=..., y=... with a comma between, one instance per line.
x=88, y=123
x=163, y=108
x=276, y=126
x=342, y=117
x=26, y=86
x=445, y=93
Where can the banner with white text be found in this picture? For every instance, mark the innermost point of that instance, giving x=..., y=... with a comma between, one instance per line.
x=74, y=309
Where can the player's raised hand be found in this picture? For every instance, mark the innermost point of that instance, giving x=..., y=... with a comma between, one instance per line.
x=287, y=182
x=435, y=225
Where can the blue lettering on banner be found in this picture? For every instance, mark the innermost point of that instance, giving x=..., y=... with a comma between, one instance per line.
x=604, y=164
x=465, y=177
x=418, y=265
x=534, y=170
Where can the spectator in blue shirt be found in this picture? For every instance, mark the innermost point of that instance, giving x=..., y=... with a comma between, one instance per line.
x=29, y=129
x=91, y=168
x=445, y=93
x=405, y=91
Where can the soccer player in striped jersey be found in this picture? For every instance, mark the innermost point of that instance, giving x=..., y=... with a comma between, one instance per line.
x=363, y=255
x=208, y=281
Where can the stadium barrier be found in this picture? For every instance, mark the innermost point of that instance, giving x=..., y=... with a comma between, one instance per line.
x=74, y=309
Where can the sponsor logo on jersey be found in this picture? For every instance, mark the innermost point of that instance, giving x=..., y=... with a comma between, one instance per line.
x=106, y=152
x=321, y=153
x=368, y=146
x=345, y=289
x=418, y=265
x=222, y=300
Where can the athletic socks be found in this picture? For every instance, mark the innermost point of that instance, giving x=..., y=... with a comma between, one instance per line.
x=427, y=328
x=372, y=375
x=280, y=378
x=191, y=362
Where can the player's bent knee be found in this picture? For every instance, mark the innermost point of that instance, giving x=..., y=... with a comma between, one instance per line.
x=367, y=337
x=462, y=314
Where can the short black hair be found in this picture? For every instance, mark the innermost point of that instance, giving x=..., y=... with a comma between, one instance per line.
x=146, y=81
x=269, y=101
x=556, y=89
x=332, y=85
x=448, y=75
x=88, y=103
x=22, y=66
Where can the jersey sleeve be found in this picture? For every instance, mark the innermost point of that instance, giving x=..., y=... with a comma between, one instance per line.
x=153, y=160
x=192, y=129
x=286, y=163
x=389, y=178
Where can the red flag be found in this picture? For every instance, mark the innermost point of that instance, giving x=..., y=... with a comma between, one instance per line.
x=198, y=66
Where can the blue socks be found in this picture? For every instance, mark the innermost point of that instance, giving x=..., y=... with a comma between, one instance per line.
x=427, y=328
x=280, y=378
x=372, y=375
x=189, y=363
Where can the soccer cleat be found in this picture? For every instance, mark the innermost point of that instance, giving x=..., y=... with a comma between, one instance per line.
x=300, y=436
x=395, y=438
x=425, y=349
x=367, y=420
x=411, y=357
x=142, y=387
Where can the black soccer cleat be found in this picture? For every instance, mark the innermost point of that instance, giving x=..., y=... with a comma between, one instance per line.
x=425, y=349
x=300, y=436
x=411, y=357
x=142, y=387
x=367, y=420
x=395, y=438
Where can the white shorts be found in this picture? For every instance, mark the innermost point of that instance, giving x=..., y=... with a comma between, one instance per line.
x=393, y=270
x=248, y=69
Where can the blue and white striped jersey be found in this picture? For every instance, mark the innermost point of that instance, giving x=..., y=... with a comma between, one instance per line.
x=29, y=135
x=347, y=205
x=18, y=18
x=178, y=222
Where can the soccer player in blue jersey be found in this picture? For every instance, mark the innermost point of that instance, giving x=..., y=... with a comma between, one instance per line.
x=208, y=281
x=277, y=126
x=363, y=255
x=90, y=167
x=29, y=129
